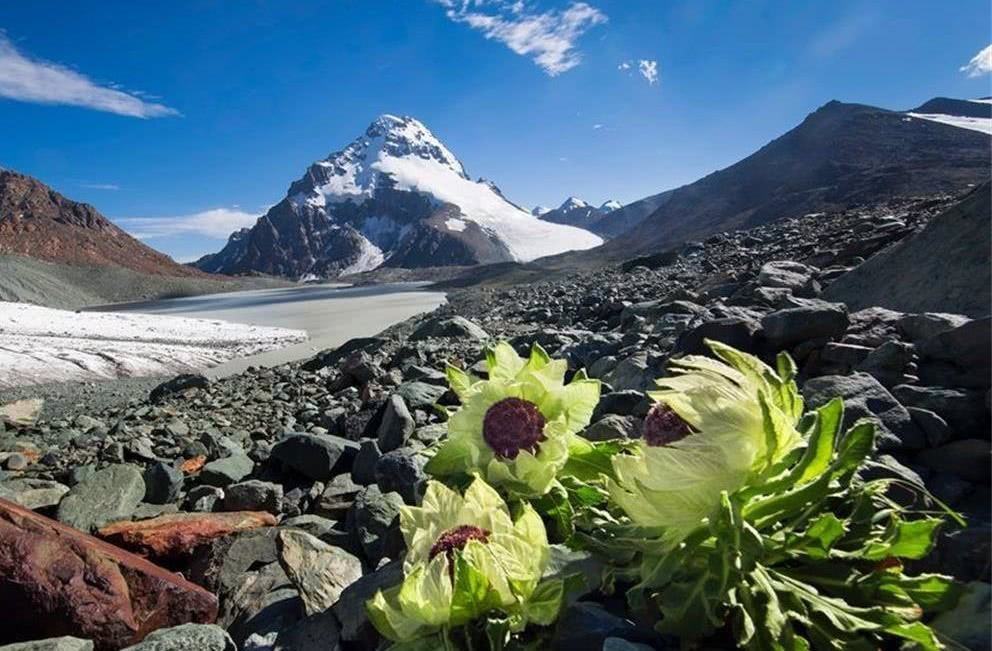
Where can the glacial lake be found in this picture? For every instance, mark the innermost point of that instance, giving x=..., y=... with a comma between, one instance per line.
x=331, y=314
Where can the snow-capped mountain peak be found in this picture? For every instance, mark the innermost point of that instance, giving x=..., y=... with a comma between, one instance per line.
x=395, y=195
x=572, y=203
x=611, y=205
x=537, y=211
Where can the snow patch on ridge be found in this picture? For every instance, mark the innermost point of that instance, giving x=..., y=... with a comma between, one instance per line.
x=457, y=225
x=369, y=257
x=975, y=124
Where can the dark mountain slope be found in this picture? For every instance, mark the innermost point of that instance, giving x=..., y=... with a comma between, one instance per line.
x=839, y=156
x=943, y=268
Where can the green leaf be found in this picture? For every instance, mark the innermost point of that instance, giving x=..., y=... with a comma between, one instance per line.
x=555, y=506
x=544, y=603
x=471, y=594
x=590, y=461
x=913, y=539
x=821, y=535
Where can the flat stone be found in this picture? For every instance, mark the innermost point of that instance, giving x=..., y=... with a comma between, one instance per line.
x=420, y=395
x=33, y=494
x=109, y=494
x=178, y=384
x=178, y=534
x=454, y=327
x=56, y=580
x=253, y=495
x=65, y=643
x=227, y=471
x=314, y=456
x=187, y=637
x=963, y=409
x=920, y=327
x=222, y=563
x=319, y=571
x=612, y=427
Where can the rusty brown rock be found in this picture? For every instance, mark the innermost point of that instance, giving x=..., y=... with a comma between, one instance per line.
x=56, y=580
x=175, y=535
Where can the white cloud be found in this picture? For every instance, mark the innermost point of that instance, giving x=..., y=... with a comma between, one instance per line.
x=548, y=37
x=218, y=223
x=598, y=126
x=100, y=186
x=649, y=70
x=44, y=82
x=980, y=64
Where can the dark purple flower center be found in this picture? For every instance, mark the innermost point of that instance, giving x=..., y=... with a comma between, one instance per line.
x=663, y=426
x=456, y=538
x=512, y=425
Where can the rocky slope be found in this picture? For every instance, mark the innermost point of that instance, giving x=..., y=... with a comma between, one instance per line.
x=323, y=453
x=395, y=196
x=839, y=156
x=38, y=222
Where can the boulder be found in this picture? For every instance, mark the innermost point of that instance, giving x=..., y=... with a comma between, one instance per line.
x=177, y=535
x=612, y=427
x=107, y=495
x=163, y=482
x=55, y=580
x=178, y=384
x=350, y=608
x=319, y=571
x=813, y=320
x=786, y=274
x=397, y=424
x=968, y=623
x=315, y=456
x=402, y=471
x=961, y=357
x=969, y=459
x=864, y=397
x=737, y=331
x=331, y=358
x=64, y=643
x=33, y=494
x=253, y=495
x=420, y=395
x=453, y=327
x=226, y=471
x=187, y=637
x=963, y=409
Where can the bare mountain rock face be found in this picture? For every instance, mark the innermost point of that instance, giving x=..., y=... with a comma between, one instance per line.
x=943, y=268
x=38, y=222
x=395, y=196
x=841, y=155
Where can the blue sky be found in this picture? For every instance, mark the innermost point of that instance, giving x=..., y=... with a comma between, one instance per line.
x=194, y=116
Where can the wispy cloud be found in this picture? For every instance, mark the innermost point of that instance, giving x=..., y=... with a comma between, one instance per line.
x=980, y=64
x=27, y=79
x=647, y=68
x=548, y=37
x=100, y=186
x=218, y=223
x=598, y=126
x=842, y=34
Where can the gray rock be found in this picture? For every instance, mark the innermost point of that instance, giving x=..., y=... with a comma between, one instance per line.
x=187, y=637
x=163, y=482
x=585, y=626
x=888, y=363
x=319, y=571
x=454, y=327
x=253, y=495
x=371, y=519
x=969, y=459
x=33, y=493
x=401, y=471
x=363, y=470
x=420, y=395
x=397, y=424
x=936, y=428
x=314, y=456
x=961, y=357
x=737, y=331
x=220, y=565
x=864, y=397
x=227, y=471
x=178, y=384
x=631, y=373
x=318, y=632
x=612, y=427
x=622, y=403
x=920, y=327
x=968, y=623
x=845, y=355
x=963, y=409
x=337, y=498
x=785, y=274
x=350, y=608
x=108, y=495
x=203, y=499
x=66, y=643
x=814, y=320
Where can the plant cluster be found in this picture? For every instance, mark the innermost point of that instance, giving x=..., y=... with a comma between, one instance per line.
x=735, y=515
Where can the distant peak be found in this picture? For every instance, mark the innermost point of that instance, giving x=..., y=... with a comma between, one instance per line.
x=611, y=205
x=572, y=203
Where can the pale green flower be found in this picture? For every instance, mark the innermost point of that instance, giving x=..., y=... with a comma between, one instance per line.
x=465, y=558
x=514, y=429
x=718, y=425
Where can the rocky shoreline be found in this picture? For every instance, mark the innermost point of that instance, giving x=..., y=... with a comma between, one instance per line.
x=277, y=490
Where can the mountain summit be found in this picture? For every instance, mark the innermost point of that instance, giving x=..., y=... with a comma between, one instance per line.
x=395, y=196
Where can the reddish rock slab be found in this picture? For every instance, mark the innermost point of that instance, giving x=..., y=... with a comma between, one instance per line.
x=175, y=535
x=56, y=580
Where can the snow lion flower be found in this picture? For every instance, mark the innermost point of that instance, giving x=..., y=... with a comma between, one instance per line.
x=465, y=558
x=514, y=429
x=716, y=426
